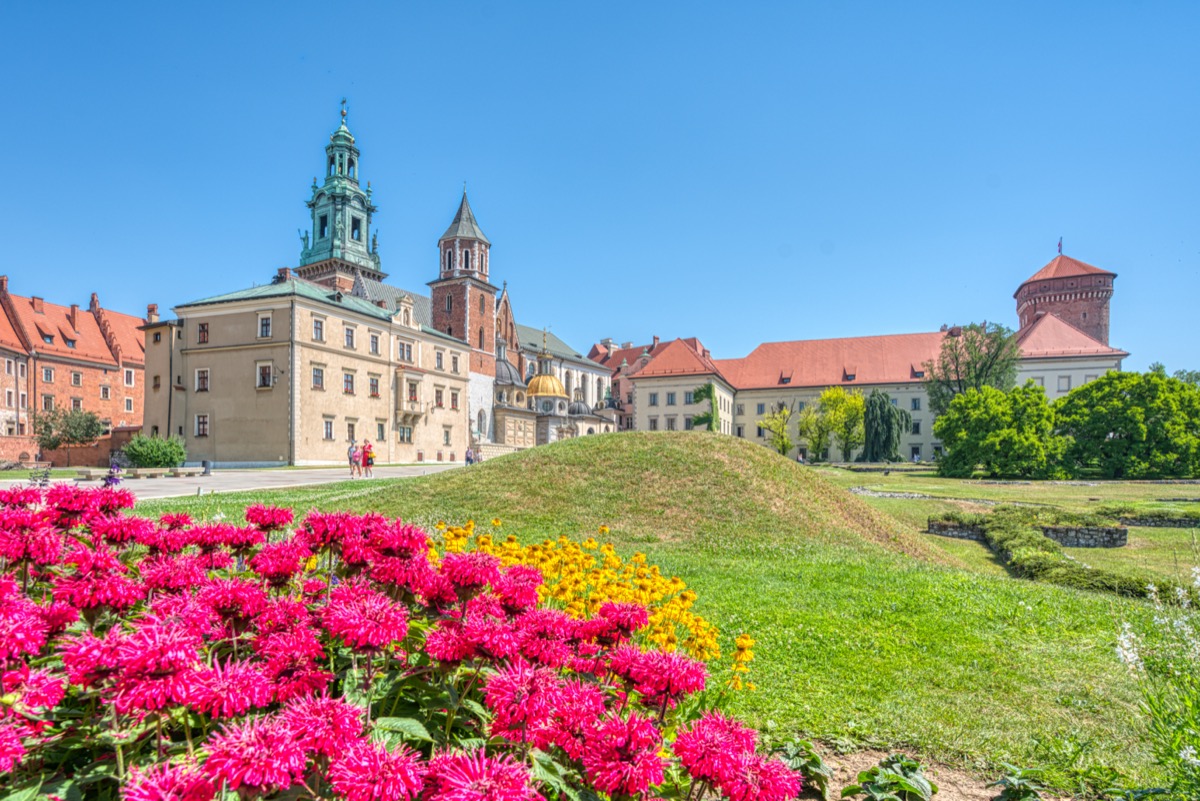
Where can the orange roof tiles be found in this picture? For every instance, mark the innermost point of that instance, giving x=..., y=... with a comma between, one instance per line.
x=1065, y=267
x=1050, y=337
x=75, y=336
x=125, y=333
x=8, y=334
x=677, y=357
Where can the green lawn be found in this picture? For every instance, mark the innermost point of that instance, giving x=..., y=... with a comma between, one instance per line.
x=868, y=631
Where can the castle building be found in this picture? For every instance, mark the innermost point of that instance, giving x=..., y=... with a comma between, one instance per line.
x=1063, y=337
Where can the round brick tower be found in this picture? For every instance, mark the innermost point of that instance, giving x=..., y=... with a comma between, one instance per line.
x=1075, y=292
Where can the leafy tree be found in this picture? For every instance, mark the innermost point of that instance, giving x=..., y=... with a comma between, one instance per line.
x=1132, y=425
x=710, y=420
x=845, y=411
x=1186, y=376
x=143, y=451
x=67, y=429
x=972, y=357
x=778, y=425
x=1008, y=434
x=884, y=425
x=814, y=428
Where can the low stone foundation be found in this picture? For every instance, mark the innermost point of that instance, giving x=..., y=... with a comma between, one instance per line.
x=956, y=530
x=1087, y=536
x=1160, y=522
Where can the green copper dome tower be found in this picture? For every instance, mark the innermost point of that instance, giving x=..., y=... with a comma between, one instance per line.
x=340, y=244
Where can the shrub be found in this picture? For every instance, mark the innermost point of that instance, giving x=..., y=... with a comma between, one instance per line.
x=895, y=777
x=143, y=451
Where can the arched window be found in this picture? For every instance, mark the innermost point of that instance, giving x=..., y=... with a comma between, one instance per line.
x=481, y=339
x=350, y=169
x=331, y=165
x=466, y=259
x=599, y=389
x=450, y=330
x=481, y=303
x=482, y=424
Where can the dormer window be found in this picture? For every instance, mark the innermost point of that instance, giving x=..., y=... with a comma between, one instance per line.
x=48, y=339
x=71, y=342
x=850, y=376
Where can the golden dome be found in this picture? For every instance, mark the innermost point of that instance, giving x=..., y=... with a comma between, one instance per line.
x=546, y=386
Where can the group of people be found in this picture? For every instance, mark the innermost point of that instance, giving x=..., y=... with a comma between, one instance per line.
x=362, y=459
x=473, y=457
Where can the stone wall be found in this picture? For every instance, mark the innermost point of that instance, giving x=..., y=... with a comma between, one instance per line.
x=96, y=455
x=956, y=530
x=1087, y=536
x=1156, y=522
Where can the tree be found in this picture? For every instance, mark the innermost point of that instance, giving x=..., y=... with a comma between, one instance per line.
x=1132, y=425
x=884, y=425
x=972, y=357
x=710, y=420
x=60, y=428
x=1186, y=376
x=1008, y=434
x=778, y=425
x=143, y=451
x=814, y=429
x=845, y=411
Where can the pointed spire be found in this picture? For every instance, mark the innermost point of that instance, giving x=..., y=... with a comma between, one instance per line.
x=464, y=225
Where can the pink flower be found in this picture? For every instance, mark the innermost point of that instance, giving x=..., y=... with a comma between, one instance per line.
x=544, y=635
x=167, y=782
x=366, y=771
x=277, y=562
x=295, y=676
x=322, y=724
x=230, y=689
x=661, y=678
x=751, y=777
x=157, y=667
x=620, y=755
x=174, y=522
x=470, y=572
x=446, y=642
x=57, y=617
x=23, y=627
x=26, y=536
x=707, y=748
x=20, y=496
x=34, y=691
x=522, y=699
x=364, y=619
x=475, y=777
x=120, y=529
x=172, y=572
x=577, y=706
x=486, y=625
x=90, y=660
x=324, y=529
x=12, y=750
x=260, y=754
x=517, y=588
x=236, y=600
x=268, y=518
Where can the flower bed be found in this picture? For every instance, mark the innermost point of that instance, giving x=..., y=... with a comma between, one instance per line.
x=349, y=657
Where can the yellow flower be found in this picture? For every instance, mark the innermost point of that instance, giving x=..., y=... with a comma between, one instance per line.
x=603, y=531
x=496, y=522
x=441, y=525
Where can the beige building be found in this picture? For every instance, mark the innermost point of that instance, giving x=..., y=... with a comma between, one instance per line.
x=293, y=372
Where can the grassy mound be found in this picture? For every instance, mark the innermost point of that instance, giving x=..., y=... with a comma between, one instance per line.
x=866, y=634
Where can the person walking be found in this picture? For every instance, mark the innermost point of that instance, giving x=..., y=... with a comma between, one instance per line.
x=352, y=453
x=368, y=459
x=470, y=457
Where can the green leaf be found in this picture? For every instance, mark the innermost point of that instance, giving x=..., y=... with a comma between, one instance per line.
x=411, y=728
x=25, y=793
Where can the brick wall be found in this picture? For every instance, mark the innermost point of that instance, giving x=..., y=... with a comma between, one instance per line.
x=17, y=449
x=97, y=455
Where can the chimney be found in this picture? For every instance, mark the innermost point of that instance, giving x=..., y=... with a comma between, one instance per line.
x=626, y=345
x=381, y=304
x=706, y=354
x=38, y=306
x=3, y=284
x=74, y=316
x=655, y=345
x=152, y=312
x=283, y=274
x=607, y=342
x=94, y=306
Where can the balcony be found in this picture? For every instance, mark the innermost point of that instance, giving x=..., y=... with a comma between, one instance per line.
x=409, y=411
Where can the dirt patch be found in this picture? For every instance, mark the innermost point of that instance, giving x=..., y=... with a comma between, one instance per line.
x=953, y=785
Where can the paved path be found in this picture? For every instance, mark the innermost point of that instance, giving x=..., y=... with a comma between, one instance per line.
x=238, y=480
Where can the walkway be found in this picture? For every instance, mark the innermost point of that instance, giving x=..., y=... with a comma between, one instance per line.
x=239, y=480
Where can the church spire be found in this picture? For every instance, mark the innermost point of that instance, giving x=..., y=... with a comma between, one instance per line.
x=464, y=225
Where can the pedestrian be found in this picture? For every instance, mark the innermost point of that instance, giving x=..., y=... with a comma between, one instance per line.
x=470, y=458
x=353, y=455
x=368, y=459
x=479, y=457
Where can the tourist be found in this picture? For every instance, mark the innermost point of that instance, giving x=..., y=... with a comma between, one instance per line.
x=470, y=458
x=353, y=454
x=368, y=459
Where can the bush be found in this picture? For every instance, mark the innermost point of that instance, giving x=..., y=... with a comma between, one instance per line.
x=143, y=451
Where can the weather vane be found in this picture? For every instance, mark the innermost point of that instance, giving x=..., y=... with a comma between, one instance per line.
x=343, y=109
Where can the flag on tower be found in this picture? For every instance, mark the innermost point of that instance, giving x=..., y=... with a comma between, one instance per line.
x=1060, y=246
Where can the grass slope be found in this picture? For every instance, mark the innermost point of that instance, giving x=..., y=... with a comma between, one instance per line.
x=866, y=632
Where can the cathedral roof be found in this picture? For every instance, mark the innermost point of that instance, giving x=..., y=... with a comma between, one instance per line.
x=1065, y=267
x=374, y=290
x=507, y=375
x=554, y=346
x=464, y=225
x=1051, y=337
x=545, y=385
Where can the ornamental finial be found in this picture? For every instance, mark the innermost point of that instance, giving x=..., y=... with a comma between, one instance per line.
x=343, y=111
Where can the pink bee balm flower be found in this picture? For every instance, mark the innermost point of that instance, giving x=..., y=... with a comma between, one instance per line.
x=446, y=642
x=517, y=588
x=120, y=529
x=157, y=667
x=277, y=562
x=268, y=518
x=26, y=536
x=522, y=698
x=20, y=496
x=366, y=771
x=364, y=619
x=261, y=755
x=707, y=748
x=660, y=678
x=12, y=750
x=23, y=628
x=620, y=756
x=229, y=690
x=322, y=724
x=470, y=572
x=174, y=522
x=35, y=691
x=544, y=635
x=167, y=782
x=90, y=660
x=578, y=704
x=476, y=777
x=172, y=572
x=751, y=777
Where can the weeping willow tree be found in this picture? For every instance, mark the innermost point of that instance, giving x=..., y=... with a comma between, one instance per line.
x=884, y=425
x=710, y=420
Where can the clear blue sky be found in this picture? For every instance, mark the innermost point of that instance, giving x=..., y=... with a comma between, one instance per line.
x=741, y=172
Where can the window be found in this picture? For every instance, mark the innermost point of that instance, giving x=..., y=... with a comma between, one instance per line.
x=437, y=398
x=916, y=453
x=21, y=369
x=481, y=339
x=449, y=259
x=759, y=432
x=350, y=431
x=741, y=431
x=318, y=378
x=762, y=409
x=158, y=336
x=202, y=425
x=264, y=326
x=1064, y=383
x=105, y=393
x=264, y=376
x=128, y=405
x=454, y=364
x=48, y=339
x=319, y=333
x=453, y=399
x=47, y=403
x=373, y=386
x=412, y=391
x=446, y=436
x=653, y=423
x=687, y=423
x=449, y=303
x=689, y=398
x=404, y=433
x=349, y=337
x=323, y=226
x=202, y=380
x=653, y=398
x=9, y=398
x=404, y=352
x=895, y=402
x=380, y=431
x=1039, y=380
x=348, y=383
x=375, y=344
x=202, y=333
x=916, y=404
x=671, y=423
x=1089, y=378
x=670, y=400
x=481, y=304
x=77, y=404
x=437, y=360
x=800, y=406
x=741, y=408
x=129, y=378
x=24, y=401
x=157, y=381
x=466, y=266
x=8, y=363
x=48, y=375
x=327, y=428
x=916, y=426
x=356, y=229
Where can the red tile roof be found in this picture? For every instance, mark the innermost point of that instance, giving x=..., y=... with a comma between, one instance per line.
x=677, y=357
x=612, y=358
x=8, y=334
x=125, y=333
x=1065, y=267
x=55, y=322
x=1050, y=337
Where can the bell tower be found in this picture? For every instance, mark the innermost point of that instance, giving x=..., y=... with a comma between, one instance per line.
x=463, y=301
x=340, y=244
